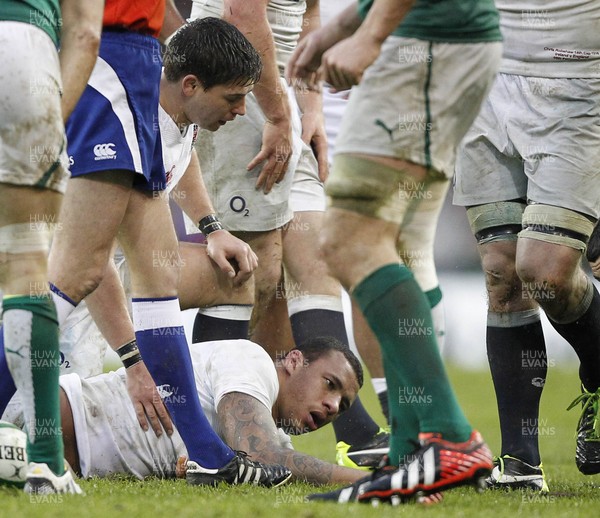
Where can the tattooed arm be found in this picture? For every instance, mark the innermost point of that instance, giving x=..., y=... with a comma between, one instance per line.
x=247, y=425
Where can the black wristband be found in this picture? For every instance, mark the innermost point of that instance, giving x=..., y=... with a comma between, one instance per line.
x=129, y=354
x=209, y=224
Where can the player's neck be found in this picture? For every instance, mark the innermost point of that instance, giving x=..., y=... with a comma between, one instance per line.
x=170, y=101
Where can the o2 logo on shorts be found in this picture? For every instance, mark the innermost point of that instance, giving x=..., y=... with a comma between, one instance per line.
x=238, y=205
x=64, y=362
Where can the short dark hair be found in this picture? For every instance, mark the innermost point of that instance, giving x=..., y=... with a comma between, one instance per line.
x=315, y=348
x=213, y=50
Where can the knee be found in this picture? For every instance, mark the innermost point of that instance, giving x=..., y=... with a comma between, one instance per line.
x=80, y=284
x=90, y=279
x=77, y=276
x=268, y=248
x=498, y=266
x=550, y=247
x=543, y=277
x=529, y=270
x=502, y=282
x=341, y=259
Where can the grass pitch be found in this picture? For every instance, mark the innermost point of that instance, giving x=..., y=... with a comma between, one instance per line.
x=571, y=494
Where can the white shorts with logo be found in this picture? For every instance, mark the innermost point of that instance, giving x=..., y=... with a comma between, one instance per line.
x=109, y=437
x=417, y=101
x=32, y=134
x=224, y=155
x=537, y=139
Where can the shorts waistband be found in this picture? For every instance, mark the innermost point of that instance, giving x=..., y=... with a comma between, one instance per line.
x=117, y=35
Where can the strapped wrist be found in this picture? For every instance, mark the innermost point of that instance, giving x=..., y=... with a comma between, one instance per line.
x=129, y=354
x=209, y=224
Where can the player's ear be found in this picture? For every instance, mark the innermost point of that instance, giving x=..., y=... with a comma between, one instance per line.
x=295, y=360
x=189, y=85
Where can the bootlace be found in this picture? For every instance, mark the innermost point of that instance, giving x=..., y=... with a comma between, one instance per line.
x=589, y=400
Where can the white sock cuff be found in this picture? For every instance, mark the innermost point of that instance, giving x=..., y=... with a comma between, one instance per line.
x=156, y=313
x=306, y=302
x=379, y=385
x=228, y=311
x=513, y=319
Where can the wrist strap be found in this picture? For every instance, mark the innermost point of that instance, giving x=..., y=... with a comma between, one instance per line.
x=129, y=354
x=209, y=224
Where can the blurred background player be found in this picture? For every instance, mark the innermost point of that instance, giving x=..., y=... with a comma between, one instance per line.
x=398, y=136
x=40, y=91
x=528, y=173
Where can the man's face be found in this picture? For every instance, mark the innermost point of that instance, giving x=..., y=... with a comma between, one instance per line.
x=316, y=392
x=212, y=108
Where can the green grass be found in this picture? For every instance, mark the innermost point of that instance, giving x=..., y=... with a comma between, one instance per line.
x=571, y=494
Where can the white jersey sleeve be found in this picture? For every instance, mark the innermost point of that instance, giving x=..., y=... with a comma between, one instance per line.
x=222, y=367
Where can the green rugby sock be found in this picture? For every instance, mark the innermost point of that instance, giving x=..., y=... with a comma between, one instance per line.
x=32, y=354
x=434, y=296
x=399, y=314
x=403, y=419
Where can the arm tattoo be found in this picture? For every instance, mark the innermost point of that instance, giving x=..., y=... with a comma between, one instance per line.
x=247, y=425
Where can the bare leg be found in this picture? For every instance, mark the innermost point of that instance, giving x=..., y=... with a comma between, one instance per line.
x=267, y=246
x=273, y=331
x=92, y=211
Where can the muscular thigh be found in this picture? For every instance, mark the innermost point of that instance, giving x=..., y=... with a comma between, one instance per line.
x=356, y=245
x=91, y=213
x=305, y=269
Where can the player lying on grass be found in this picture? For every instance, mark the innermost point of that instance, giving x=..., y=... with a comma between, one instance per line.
x=251, y=402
